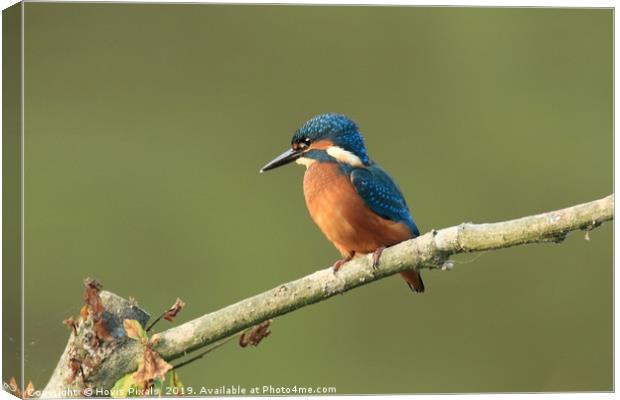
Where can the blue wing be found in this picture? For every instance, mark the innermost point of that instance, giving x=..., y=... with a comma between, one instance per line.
x=382, y=195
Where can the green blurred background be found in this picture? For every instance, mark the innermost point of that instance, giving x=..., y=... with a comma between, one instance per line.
x=146, y=125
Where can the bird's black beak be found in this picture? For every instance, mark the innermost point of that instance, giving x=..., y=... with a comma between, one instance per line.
x=287, y=157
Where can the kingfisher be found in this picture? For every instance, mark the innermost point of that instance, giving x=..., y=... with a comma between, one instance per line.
x=355, y=203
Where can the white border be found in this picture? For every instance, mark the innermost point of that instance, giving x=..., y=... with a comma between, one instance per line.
x=475, y=3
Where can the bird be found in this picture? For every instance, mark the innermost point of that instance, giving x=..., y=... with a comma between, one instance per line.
x=355, y=203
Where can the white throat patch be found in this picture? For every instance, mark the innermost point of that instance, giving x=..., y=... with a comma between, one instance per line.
x=305, y=161
x=344, y=156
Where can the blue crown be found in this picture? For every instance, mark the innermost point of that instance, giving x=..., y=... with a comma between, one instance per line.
x=341, y=130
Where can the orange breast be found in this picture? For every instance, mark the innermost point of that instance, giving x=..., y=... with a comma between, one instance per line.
x=342, y=214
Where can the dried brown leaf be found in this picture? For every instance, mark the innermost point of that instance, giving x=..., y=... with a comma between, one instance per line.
x=26, y=394
x=75, y=366
x=255, y=334
x=29, y=391
x=92, y=301
x=134, y=330
x=84, y=312
x=14, y=388
x=93, y=305
x=101, y=331
x=174, y=310
x=151, y=366
x=71, y=324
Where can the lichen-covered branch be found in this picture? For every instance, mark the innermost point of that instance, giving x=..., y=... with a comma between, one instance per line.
x=431, y=250
x=63, y=383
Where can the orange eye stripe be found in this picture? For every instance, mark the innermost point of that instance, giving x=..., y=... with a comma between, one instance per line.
x=321, y=144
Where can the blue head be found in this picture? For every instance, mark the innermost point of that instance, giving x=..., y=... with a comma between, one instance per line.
x=325, y=137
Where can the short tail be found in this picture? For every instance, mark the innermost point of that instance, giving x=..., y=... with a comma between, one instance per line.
x=414, y=280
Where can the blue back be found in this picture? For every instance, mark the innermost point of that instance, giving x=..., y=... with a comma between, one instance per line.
x=382, y=195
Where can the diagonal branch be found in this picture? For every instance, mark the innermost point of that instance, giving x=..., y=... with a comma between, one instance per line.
x=431, y=250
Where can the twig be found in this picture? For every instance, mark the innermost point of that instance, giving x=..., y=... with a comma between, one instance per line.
x=152, y=324
x=205, y=352
x=169, y=314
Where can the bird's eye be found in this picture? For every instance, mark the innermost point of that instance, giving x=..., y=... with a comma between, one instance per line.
x=304, y=143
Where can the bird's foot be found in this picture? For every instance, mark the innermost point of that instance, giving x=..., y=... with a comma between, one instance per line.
x=376, y=256
x=338, y=264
